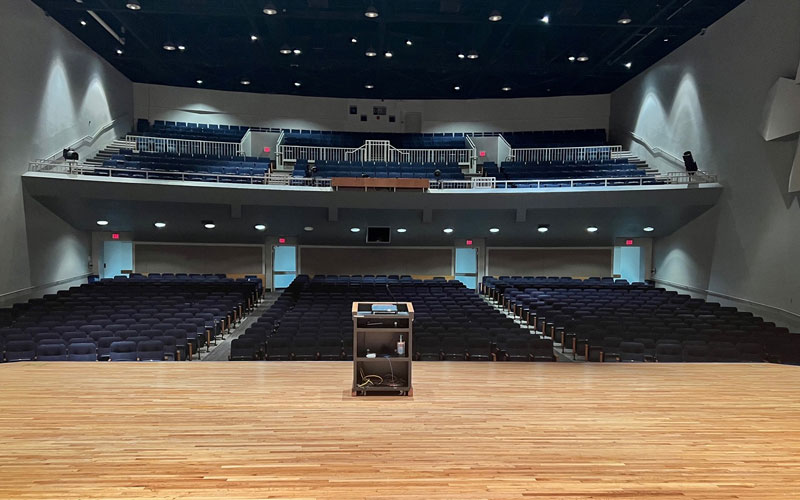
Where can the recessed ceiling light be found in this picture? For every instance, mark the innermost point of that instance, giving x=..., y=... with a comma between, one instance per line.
x=308, y=228
x=369, y=86
x=506, y=89
x=448, y=230
x=260, y=227
x=355, y=229
x=624, y=18
x=209, y=224
x=297, y=84
x=83, y=23
x=494, y=230
x=666, y=39
x=628, y=65
x=571, y=58
x=120, y=52
x=371, y=12
x=583, y=57
x=495, y=16
x=461, y=56
x=245, y=82
x=199, y=82
x=169, y=46
x=370, y=52
x=160, y=225
x=592, y=229
x=285, y=50
x=253, y=38
x=472, y=54
x=401, y=230
x=133, y=5
x=388, y=54
x=456, y=88
x=545, y=19
x=102, y=222
x=269, y=9
x=543, y=228
x=409, y=43
x=297, y=52
x=354, y=40
x=648, y=229
x=181, y=47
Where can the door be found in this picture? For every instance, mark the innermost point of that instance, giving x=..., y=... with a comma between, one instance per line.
x=284, y=266
x=117, y=257
x=628, y=263
x=467, y=267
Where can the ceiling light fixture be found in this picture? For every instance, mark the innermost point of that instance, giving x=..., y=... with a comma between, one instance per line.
x=409, y=43
x=260, y=227
x=543, y=228
x=285, y=50
x=160, y=225
x=297, y=52
x=628, y=65
x=506, y=89
x=371, y=12
x=181, y=47
x=472, y=54
x=495, y=16
x=583, y=57
x=120, y=52
x=461, y=56
x=369, y=86
x=199, y=82
x=494, y=230
x=169, y=46
x=354, y=40
x=209, y=224
x=83, y=23
x=133, y=5
x=245, y=82
x=102, y=222
x=571, y=58
x=297, y=84
x=545, y=19
x=370, y=52
x=401, y=230
x=592, y=229
x=456, y=88
x=388, y=54
x=648, y=229
x=253, y=38
x=308, y=228
x=355, y=229
x=624, y=18
x=448, y=230
x=269, y=9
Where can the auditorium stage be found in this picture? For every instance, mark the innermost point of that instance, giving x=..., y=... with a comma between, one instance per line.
x=260, y=430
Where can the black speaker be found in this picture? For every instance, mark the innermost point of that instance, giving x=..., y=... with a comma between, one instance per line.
x=70, y=154
x=688, y=161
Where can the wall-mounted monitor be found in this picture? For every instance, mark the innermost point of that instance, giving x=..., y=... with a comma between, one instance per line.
x=379, y=235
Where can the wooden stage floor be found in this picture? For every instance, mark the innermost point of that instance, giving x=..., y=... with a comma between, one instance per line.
x=261, y=430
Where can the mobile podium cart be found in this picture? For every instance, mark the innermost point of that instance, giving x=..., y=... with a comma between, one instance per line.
x=382, y=348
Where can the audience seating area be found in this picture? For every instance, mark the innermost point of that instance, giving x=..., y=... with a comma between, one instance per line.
x=191, y=167
x=312, y=321
x=619, y=169
x=331, y=139
x=555, y=138
x=191, y=131
x=611, y=320
x=153, y=318
x=333, y=168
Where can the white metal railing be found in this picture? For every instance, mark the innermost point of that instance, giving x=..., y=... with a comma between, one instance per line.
x=581, y=153
x=279, y=151
x=312, y=153
x=184, y=146
x=473, y=160
x=76, y=168
x=462, y=156
x=698, y=177
x=550, y=183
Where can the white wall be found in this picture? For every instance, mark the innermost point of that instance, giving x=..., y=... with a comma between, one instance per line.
x=54, y=91
x=709, y=97
x=157, y=102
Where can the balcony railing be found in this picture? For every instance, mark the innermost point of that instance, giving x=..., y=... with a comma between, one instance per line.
x=590, y=153
x=184, y=146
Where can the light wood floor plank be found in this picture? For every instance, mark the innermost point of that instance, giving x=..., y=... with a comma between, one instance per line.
x=471, y=431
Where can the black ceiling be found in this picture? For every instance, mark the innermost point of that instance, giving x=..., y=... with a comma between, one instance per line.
x=519, y=51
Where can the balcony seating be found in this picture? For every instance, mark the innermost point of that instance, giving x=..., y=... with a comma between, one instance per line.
x=555, y=138
x=194, y=167
x=619, y=170
x=329, y=139
x=333, y=168
x=191, y=131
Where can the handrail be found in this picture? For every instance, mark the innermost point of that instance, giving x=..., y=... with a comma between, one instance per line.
x=279, y=152
x=573, y=153
x=313, y=153
x=655, y=151
x=184, y=146
x=482, y=183
x=89, y=139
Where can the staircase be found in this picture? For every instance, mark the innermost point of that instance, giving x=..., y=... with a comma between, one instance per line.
x=110, y=150
x=640, y=164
